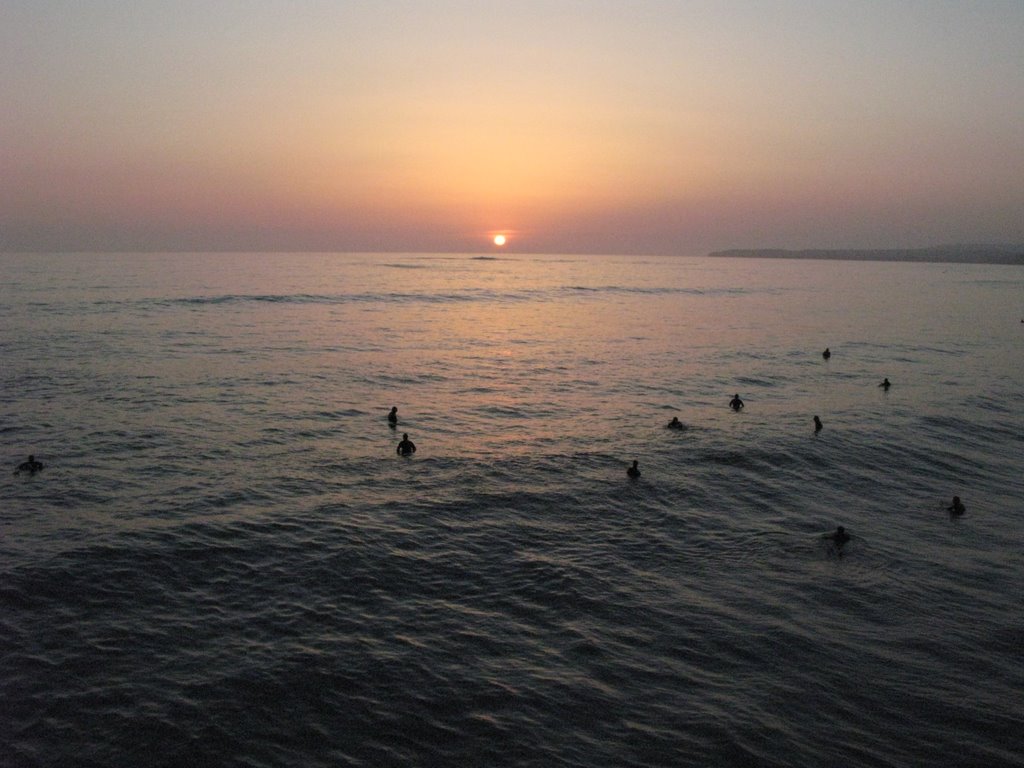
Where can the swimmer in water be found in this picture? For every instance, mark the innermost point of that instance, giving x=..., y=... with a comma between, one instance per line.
x=406, y=447
x=393, y=416
x=957, y=507
x=31, y=466
x=675, y=423
x=817, y=424
x=634, y=471
x=838, y=539
x=826, y=354
x=736, y=403
x=885, y=384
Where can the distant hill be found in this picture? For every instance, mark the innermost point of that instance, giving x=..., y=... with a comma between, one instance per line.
x=963, y=254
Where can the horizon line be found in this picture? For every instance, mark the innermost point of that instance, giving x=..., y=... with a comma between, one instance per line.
x=1008, y=248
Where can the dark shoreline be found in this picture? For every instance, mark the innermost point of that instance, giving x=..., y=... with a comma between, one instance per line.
x=960, y=254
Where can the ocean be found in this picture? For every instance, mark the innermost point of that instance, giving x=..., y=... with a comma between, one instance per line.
x=225, y=562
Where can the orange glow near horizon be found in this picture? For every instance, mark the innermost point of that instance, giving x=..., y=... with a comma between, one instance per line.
x=608, y=130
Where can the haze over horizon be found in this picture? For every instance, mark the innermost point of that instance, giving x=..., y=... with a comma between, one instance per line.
x=647, y=127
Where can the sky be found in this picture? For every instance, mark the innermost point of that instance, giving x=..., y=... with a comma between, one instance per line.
x=654, y=126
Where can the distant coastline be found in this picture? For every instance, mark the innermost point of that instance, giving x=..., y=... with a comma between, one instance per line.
x=959, y=254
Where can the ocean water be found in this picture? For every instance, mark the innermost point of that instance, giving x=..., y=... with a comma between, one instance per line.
x=224, y=562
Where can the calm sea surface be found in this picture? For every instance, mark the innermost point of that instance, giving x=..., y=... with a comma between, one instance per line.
x=224, y=562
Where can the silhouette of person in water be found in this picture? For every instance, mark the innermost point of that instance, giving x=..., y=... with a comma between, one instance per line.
x=885, y=384
x=31, y=466
x=826, y=354
x=817, y=424
x=957, y=507
x=736, y=403
x=634, y=471
x=838, y=539
x=406, y=447
x=393, y=416
x=675, y=423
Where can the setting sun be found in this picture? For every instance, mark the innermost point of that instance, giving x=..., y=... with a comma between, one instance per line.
x=499, y=239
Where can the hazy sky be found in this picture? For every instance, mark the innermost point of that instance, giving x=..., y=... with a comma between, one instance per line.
x=652, y=126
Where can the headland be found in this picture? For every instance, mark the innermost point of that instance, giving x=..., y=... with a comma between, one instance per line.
x=959, y=254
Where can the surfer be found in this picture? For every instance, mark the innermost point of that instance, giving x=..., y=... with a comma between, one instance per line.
x=826, y=354
x=31, y=466
x=957, y=507
x=393, y=416
x=406, y=447
x=885, y=384
x=634, y=471
x=736, y=403
x=817, y=424
x=675, y=423
x=838, y=539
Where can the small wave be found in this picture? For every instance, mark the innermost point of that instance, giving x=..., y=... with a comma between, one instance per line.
x=751, y=381
x=644, y=291
x=400, y=297
x=300, y=298
x=989, y=403
x=731, y=459
x=340, y=414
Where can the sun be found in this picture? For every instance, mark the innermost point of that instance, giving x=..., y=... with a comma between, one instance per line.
x=499, y=240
